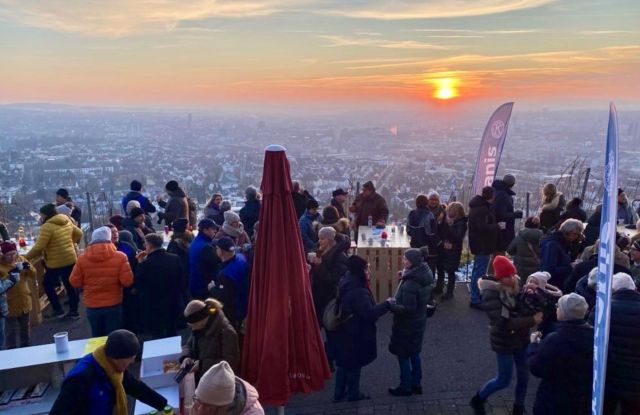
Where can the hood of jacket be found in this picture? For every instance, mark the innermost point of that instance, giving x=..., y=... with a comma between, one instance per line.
x=487, y=283
x=351, y=281
x=500, y=186
x=177, y=193
x=478, y=201
x=530, y=235
x=100, y=251
x=59, y=220
x=420, y=274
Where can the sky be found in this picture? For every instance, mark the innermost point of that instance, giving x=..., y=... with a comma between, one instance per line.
x=361, y=52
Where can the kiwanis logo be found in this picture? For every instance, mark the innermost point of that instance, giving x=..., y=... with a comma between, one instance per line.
x=608, y=171
x=497, y=129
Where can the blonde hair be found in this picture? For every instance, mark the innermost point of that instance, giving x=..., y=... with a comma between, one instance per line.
x=549, y=190
x=457, y=208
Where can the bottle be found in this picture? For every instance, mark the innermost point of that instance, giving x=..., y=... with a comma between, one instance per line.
x=168, y=410
x=370, y=221
x=22, y=240
x=153, y=412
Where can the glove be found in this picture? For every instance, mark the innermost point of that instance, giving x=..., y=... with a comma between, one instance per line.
x=14, y=277
x=517, y=214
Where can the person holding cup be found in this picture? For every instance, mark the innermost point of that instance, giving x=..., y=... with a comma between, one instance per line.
x=19, y=297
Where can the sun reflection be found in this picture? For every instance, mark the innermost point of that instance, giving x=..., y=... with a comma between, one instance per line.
x=445, y=88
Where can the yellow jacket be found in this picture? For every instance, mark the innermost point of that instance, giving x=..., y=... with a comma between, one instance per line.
x=19, y=296
x=56, y=242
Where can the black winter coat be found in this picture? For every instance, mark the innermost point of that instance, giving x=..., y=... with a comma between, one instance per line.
x=564, y=362
x=504, y=212
x=592, y=230
x=589, y=294
x=159, y=281
x=555, y=258
x=483, y=228
x=422, y=228
x=583, y=268
x=454, y=234
x=410, y=311
x=249, y=215
x=355, y=340
x=525, y=251
x=509, y=329
x=326, y=275
x=623, y=364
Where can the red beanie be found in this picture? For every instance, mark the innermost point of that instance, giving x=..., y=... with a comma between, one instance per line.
x=7, y=246
x=503, y=267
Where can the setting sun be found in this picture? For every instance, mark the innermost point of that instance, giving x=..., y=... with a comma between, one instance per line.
x=445, y=88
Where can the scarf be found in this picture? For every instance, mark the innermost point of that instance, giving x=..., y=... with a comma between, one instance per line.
x=231, y=231
x=120, y=407
x=551, y=204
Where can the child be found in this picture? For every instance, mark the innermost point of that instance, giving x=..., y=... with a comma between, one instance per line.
x=539, y=295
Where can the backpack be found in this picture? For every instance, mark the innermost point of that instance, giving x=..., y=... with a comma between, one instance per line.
x=332, y=318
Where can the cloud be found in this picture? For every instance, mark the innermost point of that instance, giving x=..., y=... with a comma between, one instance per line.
x=421, y=9
x=117, y=18
x=341, y=41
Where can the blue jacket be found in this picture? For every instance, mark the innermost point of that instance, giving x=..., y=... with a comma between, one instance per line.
x=623, y=364
x=355, y=341
x=144, y=201
x=564, y=362
x=249, y=215
x=203, y=265
x=309, y=235
x=555, y=259
x=88, y=390
x=232, y=289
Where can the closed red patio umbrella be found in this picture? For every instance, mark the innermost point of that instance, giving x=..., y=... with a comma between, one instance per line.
x=283, y=352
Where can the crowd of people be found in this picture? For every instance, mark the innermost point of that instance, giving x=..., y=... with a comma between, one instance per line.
x=537, y=287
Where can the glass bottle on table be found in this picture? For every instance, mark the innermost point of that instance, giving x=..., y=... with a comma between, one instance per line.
x=370, y=221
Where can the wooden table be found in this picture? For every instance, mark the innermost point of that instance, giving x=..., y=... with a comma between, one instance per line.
x=385, y=259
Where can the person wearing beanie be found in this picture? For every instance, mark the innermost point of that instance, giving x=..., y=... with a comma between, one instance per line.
x=355, y=340
x=539, y=295
x=555, y=248
x=56, y=242
x=99, y=382
x=250, y=212
x=233, y=228
x=231, y=285
x=102, y=272
x=338, y=199
x=504, y=211
x=62, y=198
x=136, y=194
x=409, y=321
x=369, y=203
x=331, y=217
x=176, y=206
x=136, y=223
x=563, y=361
x=204, y=263
x=64, y=209
x=483, y=234
x=213, y=339
x=15, y=296
x=509, y=333
x=307, y=232
x=221, y=391
x=623, y=362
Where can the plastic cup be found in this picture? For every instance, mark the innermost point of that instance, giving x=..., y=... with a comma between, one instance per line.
x=61, y=341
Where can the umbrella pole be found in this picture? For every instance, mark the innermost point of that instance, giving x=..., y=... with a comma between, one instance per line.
x=281, y=410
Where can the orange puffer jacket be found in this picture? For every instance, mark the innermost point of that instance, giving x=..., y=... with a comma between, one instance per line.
x=102, y=272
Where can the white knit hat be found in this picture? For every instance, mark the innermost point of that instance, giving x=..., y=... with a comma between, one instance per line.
x=622, y=281
x=64, y=209
x=542, y=277
x=102, y=234
x=230, y=216
x=572, y=307
x=217, y=386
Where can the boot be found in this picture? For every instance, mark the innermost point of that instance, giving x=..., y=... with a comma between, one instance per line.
x=477, y=403
x=518, y=409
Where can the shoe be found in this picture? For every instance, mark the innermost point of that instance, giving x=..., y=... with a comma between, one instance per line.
x=416, y=390
x=361, y=397
x=399, y=391
x=477, y=404
x=72, y=315
x=477, y=306
x=518, y=410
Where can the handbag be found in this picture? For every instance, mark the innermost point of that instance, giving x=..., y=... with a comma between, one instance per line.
x=332, y=317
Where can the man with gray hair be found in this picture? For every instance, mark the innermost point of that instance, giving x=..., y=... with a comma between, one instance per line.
x=555, y=255
x=623, y=364
x=563, y=360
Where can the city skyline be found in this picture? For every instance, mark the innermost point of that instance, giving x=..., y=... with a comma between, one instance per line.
x=438, y=54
